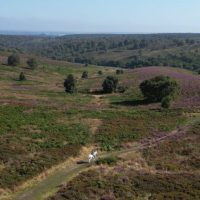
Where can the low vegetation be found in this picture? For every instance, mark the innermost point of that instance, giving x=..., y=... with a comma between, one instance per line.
x=127, y=184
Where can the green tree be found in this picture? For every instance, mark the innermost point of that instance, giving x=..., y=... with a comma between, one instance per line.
x=13, y=60
x=22, y=76
x=85, y=75
x=70, y=84
x=159, y=87
x=32, y=63
x=110, y=84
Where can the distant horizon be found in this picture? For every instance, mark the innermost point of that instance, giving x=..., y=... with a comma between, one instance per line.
x=26, y=32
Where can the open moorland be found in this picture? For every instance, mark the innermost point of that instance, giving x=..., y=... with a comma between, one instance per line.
x=42, y=127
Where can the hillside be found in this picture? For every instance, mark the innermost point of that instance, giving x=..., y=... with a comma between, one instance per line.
x=129, y=51
x=42, y=127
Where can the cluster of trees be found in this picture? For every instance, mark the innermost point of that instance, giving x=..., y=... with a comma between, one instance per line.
x=160, y=89
x=109, y=85
x=14, y=60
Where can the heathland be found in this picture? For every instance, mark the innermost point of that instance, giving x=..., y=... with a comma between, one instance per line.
x=42, y=126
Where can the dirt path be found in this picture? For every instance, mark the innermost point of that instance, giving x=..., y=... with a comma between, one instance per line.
x=52, y=183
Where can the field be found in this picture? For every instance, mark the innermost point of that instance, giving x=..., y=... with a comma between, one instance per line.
x=41, y=127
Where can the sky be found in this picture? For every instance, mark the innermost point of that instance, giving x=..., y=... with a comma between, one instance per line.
x=100, y=16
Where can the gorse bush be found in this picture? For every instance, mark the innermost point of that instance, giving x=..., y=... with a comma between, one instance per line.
x=159, y=87
x=70, y=84
x=13, y=60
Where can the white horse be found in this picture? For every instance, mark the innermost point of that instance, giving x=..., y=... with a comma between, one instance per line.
x=92, y=156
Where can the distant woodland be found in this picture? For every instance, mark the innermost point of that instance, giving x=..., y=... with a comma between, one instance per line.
x=128, y=51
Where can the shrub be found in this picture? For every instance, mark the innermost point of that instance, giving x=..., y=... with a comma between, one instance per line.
x=100, y=72
x=159, y=87
x=122, y=89
x=119, y=71
x=107, y=161
x=110, y=84
x=22, y=76
x=13, y=60
x=166, y=102
x=85, y=75
x=32, y=63
x=70, y=84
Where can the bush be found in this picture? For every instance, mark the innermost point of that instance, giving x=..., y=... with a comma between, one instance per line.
x=32, y=63
x=118, y=71
x=107, y=161
x=70, y=84
x=13, y=60
x=22, y=76
x=110, y=84
x=85, y=75
x=166, y=102
x=159, y=87
x=100, y=72
x=122, y=89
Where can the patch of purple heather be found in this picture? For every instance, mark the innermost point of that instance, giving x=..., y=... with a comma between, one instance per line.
x=190, y=83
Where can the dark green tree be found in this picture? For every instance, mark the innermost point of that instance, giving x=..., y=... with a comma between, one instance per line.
x=70, y=84
x=110, y=84
x=159, y=87
x=13, y=60
x=85, y=75
x=22, y=76
x=32, y=63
